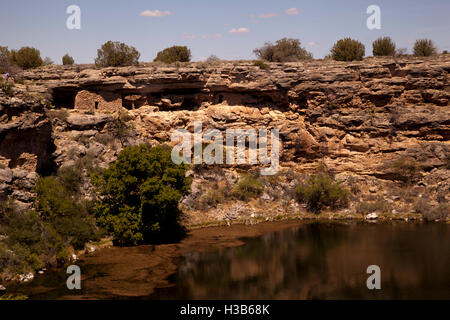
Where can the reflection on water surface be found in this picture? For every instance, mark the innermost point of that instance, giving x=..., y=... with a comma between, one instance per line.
x=323, y=261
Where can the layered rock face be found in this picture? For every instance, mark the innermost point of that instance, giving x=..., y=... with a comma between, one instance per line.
x=356, y=117
x=26, y=145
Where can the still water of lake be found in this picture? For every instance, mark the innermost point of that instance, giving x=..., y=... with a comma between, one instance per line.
x=309, y=261
x=323, y=261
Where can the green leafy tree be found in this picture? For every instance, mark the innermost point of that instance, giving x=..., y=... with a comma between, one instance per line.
x=5, y=59
x=383, y=47
x=116, y=54
x=321, y=191
x=61, y=209
x=59, y=220
x=48, y=61
x=424, y=48
x=27, y=58
x=120, y=129
x=6, y=62
x=174, y=54
x=284, y=50
x=138, y=196
x=348, y=50
x=30, y=244
x=67, y=60
x=212, y=58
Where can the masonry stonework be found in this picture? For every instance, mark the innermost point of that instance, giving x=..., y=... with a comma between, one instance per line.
x=104, y=102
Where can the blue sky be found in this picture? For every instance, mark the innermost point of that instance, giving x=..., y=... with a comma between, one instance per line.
x=205, y=25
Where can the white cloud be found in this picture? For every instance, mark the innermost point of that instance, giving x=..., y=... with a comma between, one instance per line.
x=293, y=11
x=268, y=15
x=213, y=36
x=155, y=13
x=312, y=43
x=239, y=30
x=188, y=36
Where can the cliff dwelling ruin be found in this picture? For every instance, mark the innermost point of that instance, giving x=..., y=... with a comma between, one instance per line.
x=104, y=100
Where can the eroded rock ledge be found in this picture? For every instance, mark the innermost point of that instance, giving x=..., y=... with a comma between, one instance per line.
x=356, y=117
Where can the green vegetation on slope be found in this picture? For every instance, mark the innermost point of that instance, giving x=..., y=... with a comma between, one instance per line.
x=60, y=222
x=138, y=196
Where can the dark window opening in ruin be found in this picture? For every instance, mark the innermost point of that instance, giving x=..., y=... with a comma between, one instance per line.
x=189, y=103
x=127, y=104
x=177, y=99
x=64, y=98
x=96, y=105
x=220, y=98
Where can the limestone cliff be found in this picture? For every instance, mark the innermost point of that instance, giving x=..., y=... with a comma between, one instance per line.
x=355, y=117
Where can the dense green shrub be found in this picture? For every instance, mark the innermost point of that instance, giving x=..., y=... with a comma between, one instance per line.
x=105, y=139
x=119, y=128
x=284, y=50
x=68, y=215
x=5, y=59
x=116, y=54
x=31, y=243
x=320, y=191
x=138, y=196
x=380, y=205
x=406, y=170
x=401, y=52
x=7, y=87
x=71, y=178
x=27, y=58
x=212, y=58
x=174, y=54
x=441, y=212
x=423, y=206
x=424, y=48
x=383, y=47
x=60, y=114
x=348, y=50
x=248, y=186
x=61, y=219
x=82, y=139
x=211, y=198
x=67, y=60
x=261, y=65
x=48, y=61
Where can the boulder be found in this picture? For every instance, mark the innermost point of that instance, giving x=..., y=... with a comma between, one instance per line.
x=372, y=216
x=27, y=277
x=87, y=122
x=6, y=175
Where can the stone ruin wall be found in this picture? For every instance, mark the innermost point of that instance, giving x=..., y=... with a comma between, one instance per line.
x=91, y=101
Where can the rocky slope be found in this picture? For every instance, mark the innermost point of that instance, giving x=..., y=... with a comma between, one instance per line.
x=357, y=118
